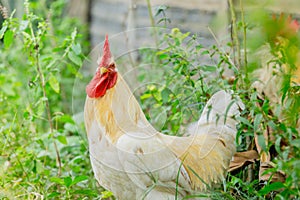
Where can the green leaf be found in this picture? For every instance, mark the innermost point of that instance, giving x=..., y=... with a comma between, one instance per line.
x=164, y=56
x=199, y=46
x=26, y=115
x=70, y=127
x=54, y=84
x=296, y=143
x=23, y=25
x=265, y=107
x=79, y=179
x=8, y=38
x=67, y=181
x=277, y=144
x=106, y=194
x=86, y=192
x=161, y=52
x=161, y=9
x=244, y=120
x=262, y=142
x=53, y=194
x=164, y=19
x=57, y=180
x=74, y=58
x=2, y=31
x=257, y=121
x=145, y=96
x=272, y=125
x=66, y=119
x=165, y=95
x=205, y=52
x=157, y=96
x=76, y=48
x=271, y=187
x=26, y=35
x=209, y=68
x=62, y=139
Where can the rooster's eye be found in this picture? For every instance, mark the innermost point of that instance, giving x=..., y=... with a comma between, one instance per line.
x=112, y=66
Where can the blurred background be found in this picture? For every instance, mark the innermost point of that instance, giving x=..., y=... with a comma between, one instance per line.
x=115, y=16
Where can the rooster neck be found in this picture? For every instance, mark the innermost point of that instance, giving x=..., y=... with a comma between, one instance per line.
x=118, y=112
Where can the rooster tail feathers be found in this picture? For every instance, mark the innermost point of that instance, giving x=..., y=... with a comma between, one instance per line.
x=221, y=109
x=222, y=104
x=213, y=139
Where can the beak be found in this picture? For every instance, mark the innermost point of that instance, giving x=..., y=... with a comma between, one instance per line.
x=103, y=70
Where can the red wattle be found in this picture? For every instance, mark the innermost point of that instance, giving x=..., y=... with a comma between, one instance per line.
x=100, y=84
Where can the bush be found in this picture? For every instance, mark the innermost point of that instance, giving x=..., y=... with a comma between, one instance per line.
x=42, y=154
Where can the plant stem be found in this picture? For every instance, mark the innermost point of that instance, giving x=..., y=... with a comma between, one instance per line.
x=45, y=98
x=236, y=43
x=245, y=40
x=150, y=13
x=152, y=21
x=42, y=79
x=222, y=51
x=238, y=60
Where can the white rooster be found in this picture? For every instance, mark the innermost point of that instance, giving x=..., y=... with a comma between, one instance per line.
x=135, y=161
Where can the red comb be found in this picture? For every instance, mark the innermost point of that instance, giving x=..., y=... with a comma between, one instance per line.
x=105, y=61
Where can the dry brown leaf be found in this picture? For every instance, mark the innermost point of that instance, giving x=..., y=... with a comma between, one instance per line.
x=278, y=176
x=264, y=156
x=241, y=159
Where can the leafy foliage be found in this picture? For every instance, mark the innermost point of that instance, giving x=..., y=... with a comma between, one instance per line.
x=42, y=154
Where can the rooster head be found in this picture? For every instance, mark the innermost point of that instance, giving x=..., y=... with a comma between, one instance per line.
x=105, y=76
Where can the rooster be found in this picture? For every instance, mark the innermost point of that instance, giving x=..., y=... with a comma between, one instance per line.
x=135, y=161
